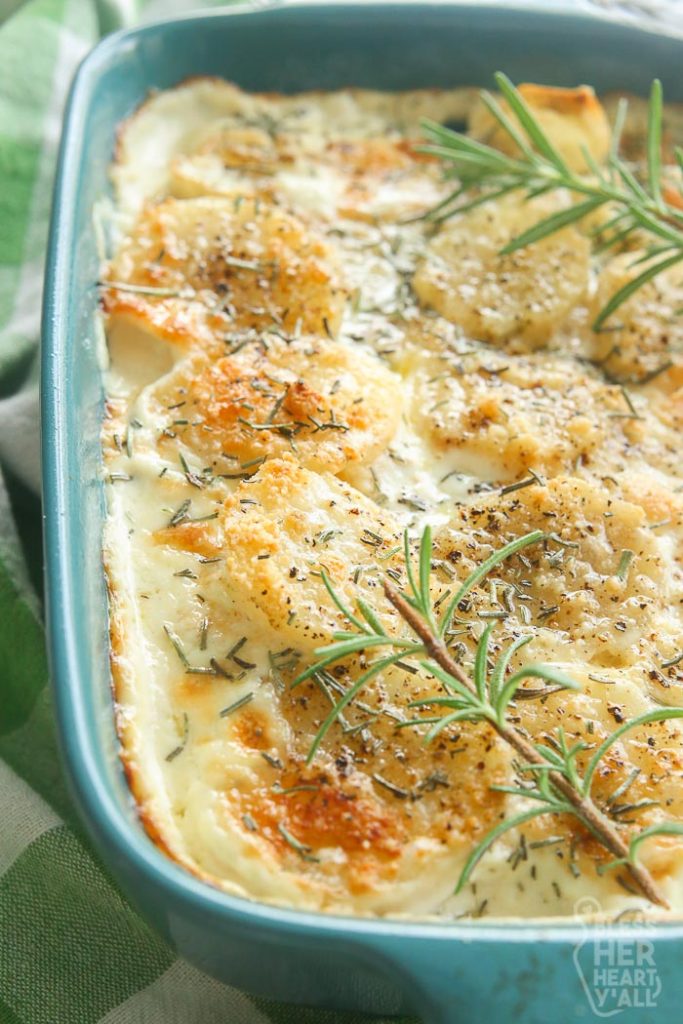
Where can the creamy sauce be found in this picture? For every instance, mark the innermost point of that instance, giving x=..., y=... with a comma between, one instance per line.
x=299, y=371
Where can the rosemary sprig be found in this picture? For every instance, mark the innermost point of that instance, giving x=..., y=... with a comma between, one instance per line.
x=639, y=205
x=547, y=772
x=142, y=289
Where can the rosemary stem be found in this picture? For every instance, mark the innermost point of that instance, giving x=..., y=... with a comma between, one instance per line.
x=584, y=806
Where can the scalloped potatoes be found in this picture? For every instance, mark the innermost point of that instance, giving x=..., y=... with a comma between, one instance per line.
x=302, y=369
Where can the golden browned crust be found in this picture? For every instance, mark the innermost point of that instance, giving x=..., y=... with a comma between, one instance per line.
x=309, y=396
x=573, y=119
x=220, y=266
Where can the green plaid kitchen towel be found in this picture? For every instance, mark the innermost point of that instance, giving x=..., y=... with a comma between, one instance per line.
x=71, y=949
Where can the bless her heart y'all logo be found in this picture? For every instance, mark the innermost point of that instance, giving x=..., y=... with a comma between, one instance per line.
x=616, y=974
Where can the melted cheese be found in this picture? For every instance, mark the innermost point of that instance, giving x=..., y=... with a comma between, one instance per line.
x=300, y=370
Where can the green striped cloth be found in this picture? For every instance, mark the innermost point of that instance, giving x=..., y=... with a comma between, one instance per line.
x=71, y=949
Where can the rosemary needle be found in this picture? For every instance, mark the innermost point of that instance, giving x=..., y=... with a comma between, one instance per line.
x=236, y=705
x=140, y=289
x=183, y=741
x=625, y=560
x=301, y=848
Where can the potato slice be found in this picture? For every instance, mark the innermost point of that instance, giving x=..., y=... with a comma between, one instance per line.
x=197, y=270
x=237, y=158
x=643, y=338
x=498, y=417
x=373, y=180
x=517, y=300
x=573, y=584
x=573, y=119
x=323, y=401
x=304, y=522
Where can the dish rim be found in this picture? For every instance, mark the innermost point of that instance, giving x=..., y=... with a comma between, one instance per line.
x=96, y=800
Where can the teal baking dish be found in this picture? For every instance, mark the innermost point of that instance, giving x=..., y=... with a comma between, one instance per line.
x=462, y=971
